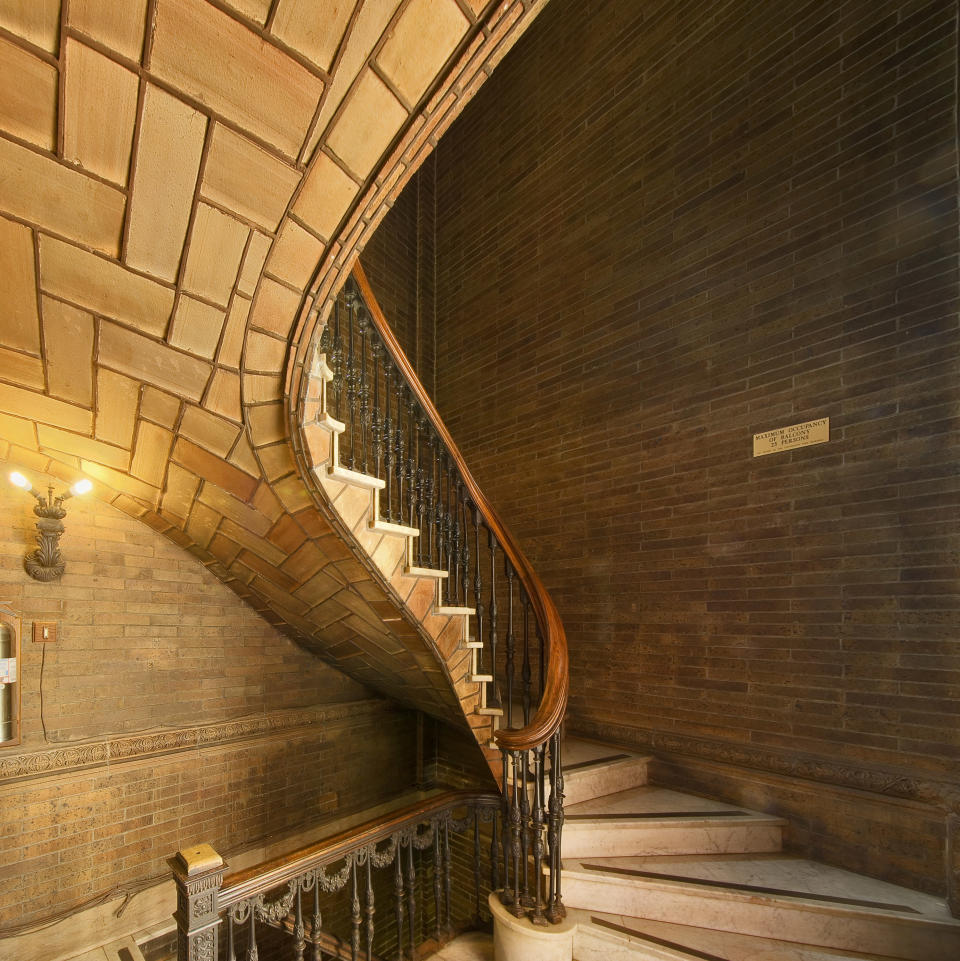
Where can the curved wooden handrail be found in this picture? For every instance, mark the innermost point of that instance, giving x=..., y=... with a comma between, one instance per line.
x=553, y=703
x=270, y=874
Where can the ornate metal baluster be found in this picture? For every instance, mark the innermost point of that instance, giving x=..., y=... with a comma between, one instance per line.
x=412, y=897
x=440, y=515
x=518, y=842
x=511, y=639
x=387, y=441
x=437, y=881
x=464, y=547
x=421, y=490
x=525, y=674
x=253, y=954
x=298, y=931
x=430, y=498
x=507, y=822
x=455, y=545
x=447, y=873
x=231, y=952
x=355, y=912
x=336, y=363
x=555, y=909
x=363, y=388
x=493, y=696
x=412, y=454
x=351, y=379
x=316, y=922
x=476, y=865
x=398, y=892
x=400, y=446
x=370, y=910
x=494, y=852
x=376, y=419
x=541, y=665
x=537, y=831
x=478, y=589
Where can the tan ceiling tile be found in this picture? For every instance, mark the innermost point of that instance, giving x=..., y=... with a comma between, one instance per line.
x=99, y=112
x=275, y=308
x=423, y=39
x=253, y=263
x=150, y=453
x=325, y=197
x=295, y=255
x=35, y=20
x=179, y=492
x=28, y=96
x=153, y=363
x=224, y=395
x=116, y=407
x=251, y=539
x=18, y=430
x=19, y=324
x=67, y=343
x=369, y=121
x=313, y=28
x=103, y=286
x=196, y=327
x=292, y=493
x=243, y=457
x=263, y=352
x=55, y=439
x=276, y=459
x=211, y=57
x=117, y=25
x=232, y=343
x=369, y=26
x=257, y=10
x=23, y=369
x=228, y=505
x=164, y=180
x=246, y=179
x=258, y=388
x=217, y=243
x=61, y=199
x=267, y=424
x=46, y=410
x=159, y=407
x=202, y=524
x=266, y=502
x=121, y=482
x=209, y=431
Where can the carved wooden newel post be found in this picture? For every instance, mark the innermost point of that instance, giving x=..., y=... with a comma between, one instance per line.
x=198, y=873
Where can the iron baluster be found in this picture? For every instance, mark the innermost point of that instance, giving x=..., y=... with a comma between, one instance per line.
x=525, y=674
x=387, y=440
x=401, y=448
x=431, y=496
x=447, y=869
x=253, y=953
x=455, y=545
x=493, y=697
x=351, y=379
x=354, y=912
x=398, y=893
x=412, y=898
x=465, y=552
x=437, y=882
x=541, y=666
x=316, y=922
x=363, y=388
x=537, y=831
x=336, y=362
x=376, y=420
x=478, y=589
x=231, y=952
x=556, y=912
x=421, y=489
x=412, y=459
x=370, y=909
x=476, y=865
x=494, y=851
x=511, y=639
x=507, y=823
x=298, y=931
x=518, y=844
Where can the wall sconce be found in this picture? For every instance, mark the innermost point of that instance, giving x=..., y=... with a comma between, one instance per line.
x=45, y=563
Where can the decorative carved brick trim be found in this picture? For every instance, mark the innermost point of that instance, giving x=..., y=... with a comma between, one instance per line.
x=809, y=767
x=118, y=749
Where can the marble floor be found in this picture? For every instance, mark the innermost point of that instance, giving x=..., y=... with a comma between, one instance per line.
x=476, y=946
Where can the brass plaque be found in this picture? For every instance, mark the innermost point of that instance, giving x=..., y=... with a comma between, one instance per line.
x=788, y=438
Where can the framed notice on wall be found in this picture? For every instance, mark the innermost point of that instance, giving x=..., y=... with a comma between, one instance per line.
x=789, y=438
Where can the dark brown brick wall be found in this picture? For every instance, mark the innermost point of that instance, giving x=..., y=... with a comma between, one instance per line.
x=658, y=234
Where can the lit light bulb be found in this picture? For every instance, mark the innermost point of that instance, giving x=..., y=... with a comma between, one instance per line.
x=81, y=487
x=18, y=480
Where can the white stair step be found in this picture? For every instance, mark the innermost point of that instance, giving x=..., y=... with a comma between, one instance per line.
x=611, y=937
x=413, y=571
x=451, y=611
x=772, y=896
x=355, y=477
x=398, y=530
x=594, y=770
x=651, y=820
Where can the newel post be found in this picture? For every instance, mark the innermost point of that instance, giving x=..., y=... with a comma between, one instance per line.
x=198, y=874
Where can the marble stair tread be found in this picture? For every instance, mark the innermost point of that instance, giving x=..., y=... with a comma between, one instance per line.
x=773, y=896
x=651, y=820
x=612, y=937
x=592, y=770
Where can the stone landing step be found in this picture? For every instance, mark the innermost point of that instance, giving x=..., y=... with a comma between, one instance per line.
x=611, y=937
x=768, y=896
x=593, y=770
x=649, y=820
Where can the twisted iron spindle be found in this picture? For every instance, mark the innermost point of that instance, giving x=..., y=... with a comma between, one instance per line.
x=537, y=832
x=493, y=697
x=363, y=388
x=298, y=930
x=517, y=845
x=376, y=419
x=370, y=909
x=387, y=439
x=430, y=491
x=506, y=821
x=525, y=673
x=316, y=921
x=455, y=556
x=556, y=912
x=464, y=550
x=421, y=489
x=352, y=380
x=400, y=445
x=412, y=453
x=354, y=912
x=478, y=589
x=398, y=893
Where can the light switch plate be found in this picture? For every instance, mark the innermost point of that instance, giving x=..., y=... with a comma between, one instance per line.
x=44, y=632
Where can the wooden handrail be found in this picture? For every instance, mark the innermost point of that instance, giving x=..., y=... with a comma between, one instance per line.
x=270, y=874
x=553, y=703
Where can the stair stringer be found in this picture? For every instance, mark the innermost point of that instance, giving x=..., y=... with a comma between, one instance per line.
x=389, y=549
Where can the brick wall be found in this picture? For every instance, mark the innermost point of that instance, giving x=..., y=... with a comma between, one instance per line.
x=239, y=733
x=658, y=235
